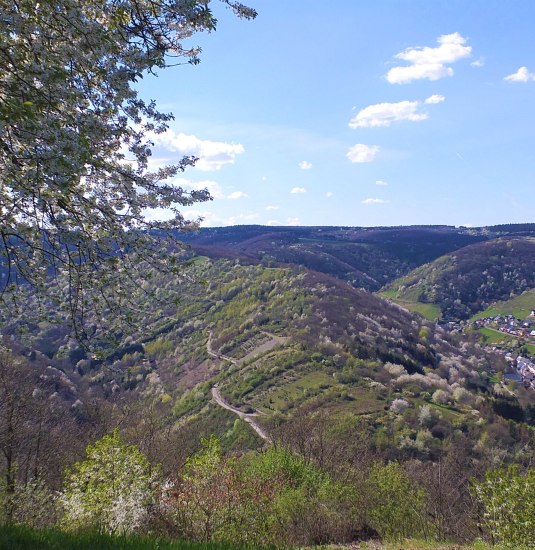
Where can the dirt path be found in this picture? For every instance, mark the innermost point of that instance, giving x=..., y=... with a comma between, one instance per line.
x=248, y=417
x=212, y=353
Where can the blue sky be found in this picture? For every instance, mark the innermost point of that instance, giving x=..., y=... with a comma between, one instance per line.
x=383, y=112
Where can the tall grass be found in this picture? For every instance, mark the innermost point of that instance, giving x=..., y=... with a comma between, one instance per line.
x=16, y=537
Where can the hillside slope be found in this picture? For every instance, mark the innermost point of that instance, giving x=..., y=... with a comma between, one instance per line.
x=366, y=257
x=287, y=342
x=467, y=281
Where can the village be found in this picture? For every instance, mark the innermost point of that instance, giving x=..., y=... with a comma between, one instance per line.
x=524, y=366
x=509, y=324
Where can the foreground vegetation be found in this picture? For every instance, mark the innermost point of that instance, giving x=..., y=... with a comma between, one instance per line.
x=273, y=497
x=17, y=537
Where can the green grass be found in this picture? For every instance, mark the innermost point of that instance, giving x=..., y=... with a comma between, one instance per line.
x=292, y=391
x=494, y=336
x=15, y=537
x=519, y=306
x=429, y=311
x=531, y=349
x=500, y=339
x=392, y=294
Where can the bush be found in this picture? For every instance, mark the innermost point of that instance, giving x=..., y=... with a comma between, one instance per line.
x=508, y=499
x=110, y=490
x=396, y=505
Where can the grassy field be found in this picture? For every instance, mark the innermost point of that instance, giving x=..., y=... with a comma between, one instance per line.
x=23, y=538
x=429, y=311
x=296, y=389
x=14, y=537
x=520, y=306
x=494, y=336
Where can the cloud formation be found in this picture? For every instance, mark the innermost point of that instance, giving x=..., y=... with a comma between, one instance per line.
x=430, y=63
x=373, y=201
x=213, y=187
x=522, y=75
x=209, y=219
x=381, y=182
x=383, y=114
x=272, y=207
x=305, y=165
x=237, y=195
x=434, y=99
x=212, y=155
x=298, y=190
x=362, y=153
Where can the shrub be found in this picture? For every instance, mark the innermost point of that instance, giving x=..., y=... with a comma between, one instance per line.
x=111, y=490
x=396, y=505
x=508, y=499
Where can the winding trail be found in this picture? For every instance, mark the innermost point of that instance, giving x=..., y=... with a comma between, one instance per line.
x=248, y=417
x=212, y=353
x=218, y=398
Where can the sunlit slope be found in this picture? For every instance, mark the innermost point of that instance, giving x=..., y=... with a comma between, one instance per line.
x=463, y=283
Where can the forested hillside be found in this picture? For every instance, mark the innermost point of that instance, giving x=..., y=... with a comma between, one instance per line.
x=366, y=257
x=469, y=280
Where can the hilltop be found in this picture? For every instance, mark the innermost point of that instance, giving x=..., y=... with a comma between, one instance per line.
x=366, y=257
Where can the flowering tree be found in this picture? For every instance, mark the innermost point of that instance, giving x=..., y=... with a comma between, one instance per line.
x=112, y=489
x=75, y=142
x=508, y=499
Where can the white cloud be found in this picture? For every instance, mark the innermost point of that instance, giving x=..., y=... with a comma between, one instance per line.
x=305, y=165
x=264, y=178
x=293, y=221
x=383, y=114
x=430, y=71
x=298, y=190
x=213, y=155
x=235, y=220
x=209, y=219
x=522, y=75
x=381, y=182
x=329, y=194
x=434, y=99
x=158, y=214
x=155, y=163
x=373, y=201
x=213, y=187
x=272, y=207
x=430, y=63
x=362, y=153
x=273, y=222
x=237, y=195
x=478, y=62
